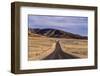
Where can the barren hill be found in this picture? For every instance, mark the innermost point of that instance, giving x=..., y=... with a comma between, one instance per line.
x=56, y=33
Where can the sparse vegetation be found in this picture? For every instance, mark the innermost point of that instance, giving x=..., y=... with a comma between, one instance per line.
x=75, y=46
x=40, y=46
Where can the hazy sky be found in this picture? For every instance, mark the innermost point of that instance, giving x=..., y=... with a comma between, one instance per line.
x=73, y=24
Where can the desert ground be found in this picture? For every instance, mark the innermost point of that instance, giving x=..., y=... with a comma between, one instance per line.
x=77, y=47
x=40, y=46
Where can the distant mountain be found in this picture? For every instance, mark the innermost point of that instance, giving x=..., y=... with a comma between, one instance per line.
x=56, y=33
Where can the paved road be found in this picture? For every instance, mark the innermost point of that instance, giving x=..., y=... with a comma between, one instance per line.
x=59, y=54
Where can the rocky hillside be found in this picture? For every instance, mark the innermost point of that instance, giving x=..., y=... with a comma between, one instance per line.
x=56, y=33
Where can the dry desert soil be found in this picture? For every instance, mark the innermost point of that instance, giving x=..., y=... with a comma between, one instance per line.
x=40, y=47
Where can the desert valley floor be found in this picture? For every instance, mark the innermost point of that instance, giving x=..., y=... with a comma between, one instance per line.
x=40, y=47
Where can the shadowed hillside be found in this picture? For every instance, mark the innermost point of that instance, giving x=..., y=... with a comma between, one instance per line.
x=56, y=33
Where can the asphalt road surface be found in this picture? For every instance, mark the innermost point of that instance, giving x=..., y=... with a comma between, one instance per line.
x=59, y=54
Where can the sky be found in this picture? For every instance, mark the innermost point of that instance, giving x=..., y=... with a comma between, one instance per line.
x=73, y=24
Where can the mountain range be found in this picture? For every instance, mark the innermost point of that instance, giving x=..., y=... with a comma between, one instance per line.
x=55, y=33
